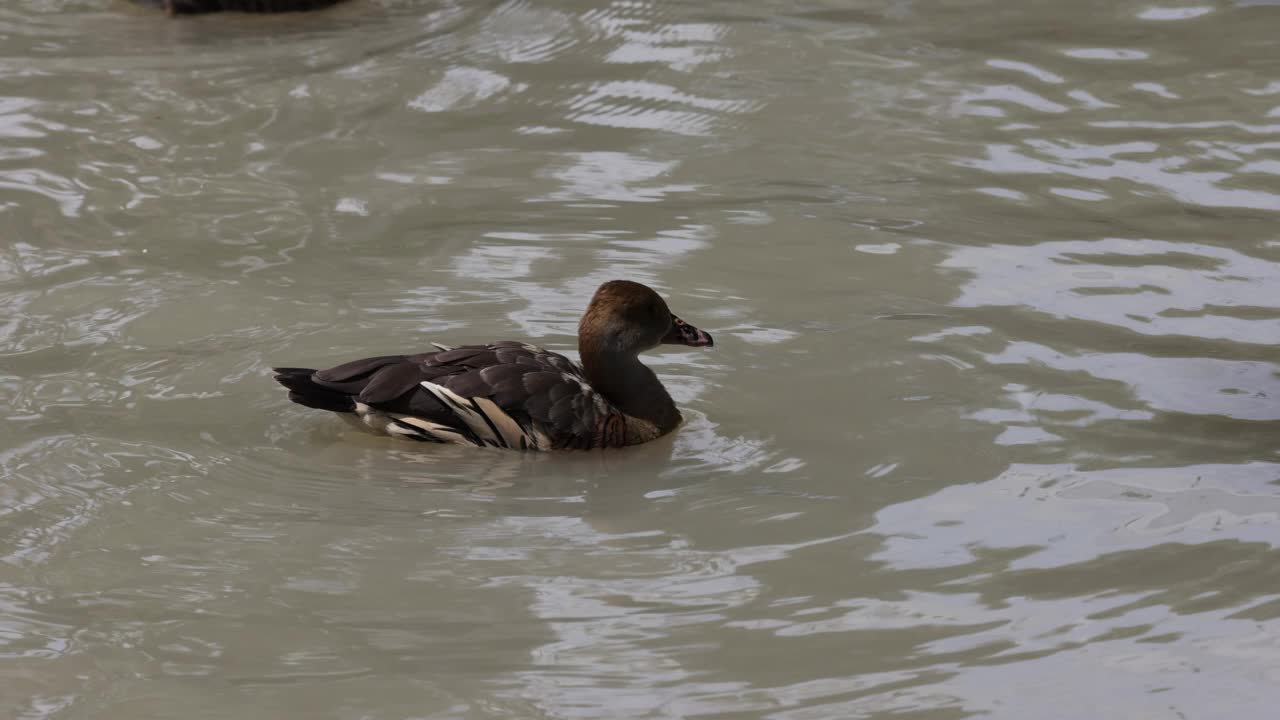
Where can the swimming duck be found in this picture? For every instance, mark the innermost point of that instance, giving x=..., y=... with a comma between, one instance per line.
x=512, y=395
x=194, y=7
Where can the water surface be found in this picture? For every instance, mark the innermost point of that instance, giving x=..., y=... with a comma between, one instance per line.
x=988, y=429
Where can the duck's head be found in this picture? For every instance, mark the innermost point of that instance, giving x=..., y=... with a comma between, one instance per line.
x=629, y=318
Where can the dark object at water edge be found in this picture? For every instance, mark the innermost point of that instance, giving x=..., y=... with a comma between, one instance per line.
x=195, y=7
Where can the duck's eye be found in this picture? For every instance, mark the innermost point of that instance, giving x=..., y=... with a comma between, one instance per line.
x=679, y=322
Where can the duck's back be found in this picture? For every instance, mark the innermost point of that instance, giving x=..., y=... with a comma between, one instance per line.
x=505, y=394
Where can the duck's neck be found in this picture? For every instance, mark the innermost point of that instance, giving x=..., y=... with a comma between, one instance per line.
x=632, y=388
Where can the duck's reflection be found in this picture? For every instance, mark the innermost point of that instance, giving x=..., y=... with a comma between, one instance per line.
x=197, y=7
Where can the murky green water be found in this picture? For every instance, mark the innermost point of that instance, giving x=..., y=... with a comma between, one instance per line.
x=989, y=430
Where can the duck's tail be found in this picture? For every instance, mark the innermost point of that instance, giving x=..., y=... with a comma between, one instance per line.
x=305, y=391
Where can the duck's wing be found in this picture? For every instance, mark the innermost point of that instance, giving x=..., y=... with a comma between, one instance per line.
x=505, y=394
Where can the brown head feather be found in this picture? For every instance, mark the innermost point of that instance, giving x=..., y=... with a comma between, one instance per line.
x=623, y=317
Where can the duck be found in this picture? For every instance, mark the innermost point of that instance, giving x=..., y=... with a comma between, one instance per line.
x=515, y=395
x=196, y=7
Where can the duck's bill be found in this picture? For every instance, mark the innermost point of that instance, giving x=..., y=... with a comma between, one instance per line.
x=682, y=333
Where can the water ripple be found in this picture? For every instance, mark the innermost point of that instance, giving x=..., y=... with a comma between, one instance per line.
x=988, y=428
x=1150, y=287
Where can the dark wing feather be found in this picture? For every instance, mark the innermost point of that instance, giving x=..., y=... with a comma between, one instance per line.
x=537, y=388
x=537, y=391
x=356, y=369
x=390, y=382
